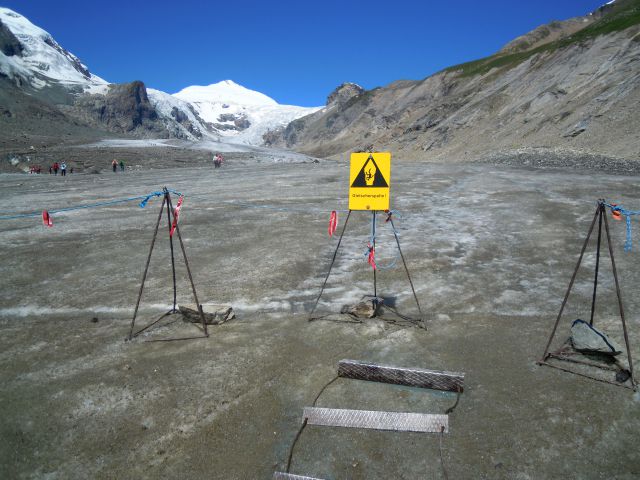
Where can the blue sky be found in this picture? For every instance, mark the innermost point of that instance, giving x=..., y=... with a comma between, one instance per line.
x=296, y=52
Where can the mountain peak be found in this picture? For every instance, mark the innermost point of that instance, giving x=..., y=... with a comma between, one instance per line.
x=226, y=91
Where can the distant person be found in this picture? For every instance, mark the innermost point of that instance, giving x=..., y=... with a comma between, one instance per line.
x=63, y=169
x=56, y=167
x=71, y=172
x=114, y=165
x=50, y=170
x=121, y=165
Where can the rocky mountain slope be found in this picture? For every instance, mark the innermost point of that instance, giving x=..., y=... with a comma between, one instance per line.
x=558, y=89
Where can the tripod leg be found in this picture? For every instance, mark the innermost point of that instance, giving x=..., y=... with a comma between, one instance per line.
x=595, y=280
x=146, y=268
x=624, y=324
x=332, y=262
x=406, y=269
x=193, y=287
x=173, y=262
x=573, y=278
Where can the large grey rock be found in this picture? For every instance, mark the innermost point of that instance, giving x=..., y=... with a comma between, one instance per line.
x=214, y=313
x=367, y=307
x=586, y=338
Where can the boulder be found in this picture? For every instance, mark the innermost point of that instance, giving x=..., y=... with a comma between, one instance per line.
x=214, y=313
x=586, y=338
x=367, y=307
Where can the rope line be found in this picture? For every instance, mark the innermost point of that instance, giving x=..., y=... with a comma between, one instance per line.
x=304, y=423
x=145, y=199
x=628, y=244
x=373, y=237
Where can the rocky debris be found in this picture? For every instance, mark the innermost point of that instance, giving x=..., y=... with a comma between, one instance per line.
x=561, y=158
x=344, y=93
x=125, y=108
x=586, y=338
x=367, y=307
x=182, y=118
x=9, y=44
x=273, y=137
x=214, y=313
x=577, y=129
x=239, y=122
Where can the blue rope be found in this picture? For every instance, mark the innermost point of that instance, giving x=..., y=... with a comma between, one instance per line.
x=144, y=202
x=372, y=240
x=628, y=244
x=145, y=199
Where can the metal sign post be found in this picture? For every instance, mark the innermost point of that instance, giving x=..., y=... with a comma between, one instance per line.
x=369, y=190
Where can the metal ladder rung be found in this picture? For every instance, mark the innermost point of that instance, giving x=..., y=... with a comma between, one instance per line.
x=285, y=476
x=394, y=421
x=412, y=377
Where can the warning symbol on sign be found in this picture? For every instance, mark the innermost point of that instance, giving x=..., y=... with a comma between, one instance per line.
x=369, y=181
x=370, y=175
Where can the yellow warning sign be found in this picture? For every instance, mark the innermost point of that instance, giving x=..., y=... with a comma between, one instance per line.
x=369, y=181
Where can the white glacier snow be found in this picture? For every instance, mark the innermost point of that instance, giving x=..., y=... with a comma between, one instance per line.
x=226, y=91
x=43, y=59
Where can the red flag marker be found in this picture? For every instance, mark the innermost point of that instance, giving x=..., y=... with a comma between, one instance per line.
x=371, y=259
x=333, y=222
x=176, y=214
x=46, y=219
x=616, y=213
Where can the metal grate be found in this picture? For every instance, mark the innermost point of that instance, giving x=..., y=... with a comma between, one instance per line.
x=285, y=476
x=413, y=377
x=395, y=421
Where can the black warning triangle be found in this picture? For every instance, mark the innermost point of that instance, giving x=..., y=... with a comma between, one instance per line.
x=370, y=175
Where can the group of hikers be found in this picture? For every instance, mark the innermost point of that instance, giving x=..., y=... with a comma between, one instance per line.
x=53, y=169
x=61, y=167
x=114, y=165
x=58, y=167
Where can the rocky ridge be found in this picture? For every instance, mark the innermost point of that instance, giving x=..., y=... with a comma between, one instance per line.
x=575, y=92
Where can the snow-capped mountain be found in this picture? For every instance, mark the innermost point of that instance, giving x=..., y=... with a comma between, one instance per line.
x=237, y=112
x=31, y=54
x=34, y=62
